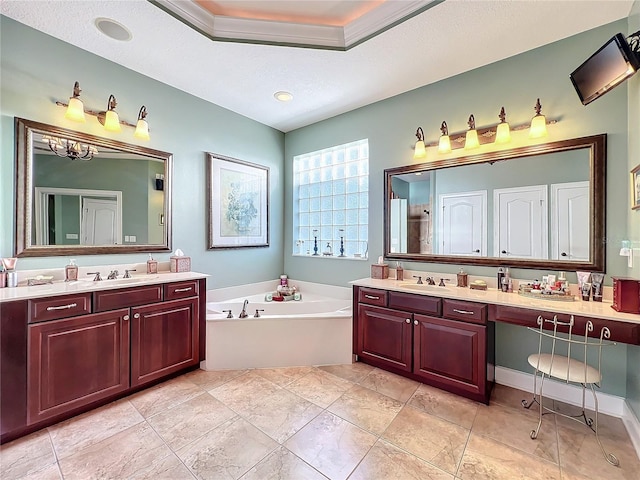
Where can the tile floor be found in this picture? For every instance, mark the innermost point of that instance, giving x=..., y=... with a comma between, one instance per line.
x=308, y=423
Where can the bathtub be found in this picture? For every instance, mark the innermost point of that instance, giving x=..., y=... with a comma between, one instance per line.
x=316, y=330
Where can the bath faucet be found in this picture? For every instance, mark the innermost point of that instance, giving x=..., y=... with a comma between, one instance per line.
x=97, y=277
x=113, y=275
x=243, y=313
x=228, y=312
x=258, y=310
x=127, y=274
x=419, y=279
x=430, y=281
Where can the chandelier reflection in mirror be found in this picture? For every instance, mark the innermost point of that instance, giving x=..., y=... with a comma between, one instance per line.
x=63, y=147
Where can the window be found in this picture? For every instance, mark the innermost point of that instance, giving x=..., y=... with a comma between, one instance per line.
x=331, y=201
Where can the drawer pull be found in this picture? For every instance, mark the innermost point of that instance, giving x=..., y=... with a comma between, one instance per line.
x=408, y=320
x=125, y=318
x=62, y=307
x=464, y=312
x=372, y=297
x=415, y=322
x=183, y=289
x=136, y=315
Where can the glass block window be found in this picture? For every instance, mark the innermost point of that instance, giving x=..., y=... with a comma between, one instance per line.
x=331, y=201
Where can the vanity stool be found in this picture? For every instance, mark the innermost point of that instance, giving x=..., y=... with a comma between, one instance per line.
x=570, y=370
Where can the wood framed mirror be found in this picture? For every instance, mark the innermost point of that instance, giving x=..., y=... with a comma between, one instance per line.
x=79, y=194
x=540, y=206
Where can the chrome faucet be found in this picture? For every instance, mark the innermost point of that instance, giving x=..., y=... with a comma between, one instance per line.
x=97, y=277
x=243, y=313
x=430, y=281
x=419, y=279
x=127, y=274
x=113, y=275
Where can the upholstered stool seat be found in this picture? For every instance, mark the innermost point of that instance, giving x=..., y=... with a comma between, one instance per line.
x=563, y=368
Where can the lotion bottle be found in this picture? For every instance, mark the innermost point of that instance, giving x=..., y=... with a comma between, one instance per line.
x=399, y=271
x=152, y=265
x=71, y=271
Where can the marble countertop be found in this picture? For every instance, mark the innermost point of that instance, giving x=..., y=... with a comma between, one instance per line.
x=60, y=287
x=494, y=296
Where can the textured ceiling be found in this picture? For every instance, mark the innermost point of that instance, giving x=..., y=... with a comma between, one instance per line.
x=324, y=83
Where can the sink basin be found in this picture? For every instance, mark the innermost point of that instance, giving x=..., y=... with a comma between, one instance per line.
x=424, y=287
x=119, y=281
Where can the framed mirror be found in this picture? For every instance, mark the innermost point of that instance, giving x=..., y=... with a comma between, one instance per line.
x=79, y=194
x=540, y=206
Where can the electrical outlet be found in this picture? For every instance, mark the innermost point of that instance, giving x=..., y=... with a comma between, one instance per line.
x=71, y=236
x=132, y=238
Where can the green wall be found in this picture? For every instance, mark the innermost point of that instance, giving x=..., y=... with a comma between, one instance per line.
x=37, y=70
x=514, y=83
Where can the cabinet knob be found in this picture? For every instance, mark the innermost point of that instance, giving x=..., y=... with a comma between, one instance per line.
x=136, y=315
x=125, y=318
x=408, y=320
x=415, y=322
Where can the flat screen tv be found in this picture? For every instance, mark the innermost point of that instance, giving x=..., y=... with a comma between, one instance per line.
x=613, y=63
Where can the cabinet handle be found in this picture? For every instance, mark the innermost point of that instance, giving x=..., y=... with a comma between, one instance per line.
x=408, y=320
x=371, y=297
x=126, y=317
x=136, y=315
x=183, y=289
x=415, y=322
x=62, y=307
x=464, y=312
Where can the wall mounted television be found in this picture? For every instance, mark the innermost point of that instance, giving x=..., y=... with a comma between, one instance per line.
x=612, y=64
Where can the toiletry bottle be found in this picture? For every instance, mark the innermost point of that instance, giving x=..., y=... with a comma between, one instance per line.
x=152, y=265
x=399, y=271
x=508, y=280
x=500, y=277
x=71, y=271
x=562, y=283
x=463, y=278
x=284, y=281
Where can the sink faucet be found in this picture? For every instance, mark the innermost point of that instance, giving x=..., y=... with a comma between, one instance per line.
x=127, y=274
x=430, y=281
x=113, y=275
x=243, y=313
x=419, y=279
x=97, y=277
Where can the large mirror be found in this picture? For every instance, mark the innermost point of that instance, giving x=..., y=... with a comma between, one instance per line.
x=541, y=206
x=78, y=194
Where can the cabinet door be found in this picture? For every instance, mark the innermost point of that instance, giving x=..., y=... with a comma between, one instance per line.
x=384, y=337
x=450, y=353
x=76, y=361
x=164, y=339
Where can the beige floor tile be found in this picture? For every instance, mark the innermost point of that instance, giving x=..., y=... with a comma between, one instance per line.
x=456, y=409
x=608, y=426
x=509, y=397
x=164, y=396
x=367, y=409
x=26, y=455
x=190, y=420
x=354, y=372
x=51, y=472
x=331, y=445
x=428, y=437
x=228, y=451
x=243, y=393
x=283, y=376
x=209, y=379
x=283, y=465
x=390, y=384
x=513, y=427
x=127, y=454
x=386, y=462
x=486, y=459
x=92, y=427
x=320, y=387
x=281, y=414
x=168, y=468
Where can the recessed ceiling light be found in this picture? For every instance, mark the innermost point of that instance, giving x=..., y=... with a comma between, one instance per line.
x=283, y=96
x=113, y=29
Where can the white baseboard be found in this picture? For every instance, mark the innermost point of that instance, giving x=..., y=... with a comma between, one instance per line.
x=572, y=394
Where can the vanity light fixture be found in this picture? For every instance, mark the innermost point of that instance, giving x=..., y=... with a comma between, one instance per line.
x=420, y=151
x=110, y=118
x=64, y=147
x=75, y=109
x=538, y=123
x=142, y=127
x=503, y=133
x=471, y=138
x=444, y=144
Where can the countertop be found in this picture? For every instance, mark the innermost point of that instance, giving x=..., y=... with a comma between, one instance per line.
x=60, y=287
x=601, y=310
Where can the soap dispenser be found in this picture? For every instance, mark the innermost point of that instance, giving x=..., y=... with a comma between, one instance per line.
x=71, y=271
x=152, y=265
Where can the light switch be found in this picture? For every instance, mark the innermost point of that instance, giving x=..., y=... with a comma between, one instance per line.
x=132, y=238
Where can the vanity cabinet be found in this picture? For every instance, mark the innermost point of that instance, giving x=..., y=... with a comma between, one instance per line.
x=445, y=343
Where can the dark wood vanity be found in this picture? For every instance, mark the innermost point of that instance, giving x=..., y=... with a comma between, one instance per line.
x=63, y=355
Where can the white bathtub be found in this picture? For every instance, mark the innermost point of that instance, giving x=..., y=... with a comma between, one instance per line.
x=314, y=331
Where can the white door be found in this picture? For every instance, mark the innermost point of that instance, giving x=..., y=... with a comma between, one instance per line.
x=463, y=223
x=520, y=222
x=100, y=222
x=570, y=221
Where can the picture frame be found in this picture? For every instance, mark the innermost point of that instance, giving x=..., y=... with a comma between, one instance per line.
x=635, y=188
x=238, y=203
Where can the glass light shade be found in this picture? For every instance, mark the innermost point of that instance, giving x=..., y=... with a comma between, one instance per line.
x=471, y=140
x=142, y=130
x=444, y=145
x=420, y=150
x=503, y=133
x=538, y=127
x=112, y=121
x=75, y=110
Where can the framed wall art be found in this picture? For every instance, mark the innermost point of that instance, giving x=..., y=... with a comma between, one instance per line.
x=238, y=197
x=635, y=188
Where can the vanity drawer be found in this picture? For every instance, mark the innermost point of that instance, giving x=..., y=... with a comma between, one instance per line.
x=52, y=308
x=465, y=311
x=176, y=290
x=130, y=297
x=415, y=303
x=372, y=296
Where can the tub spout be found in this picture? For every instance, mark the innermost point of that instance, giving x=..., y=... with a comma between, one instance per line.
x=243, y=313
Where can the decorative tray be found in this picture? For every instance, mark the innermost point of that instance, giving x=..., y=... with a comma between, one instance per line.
x=552, y=297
